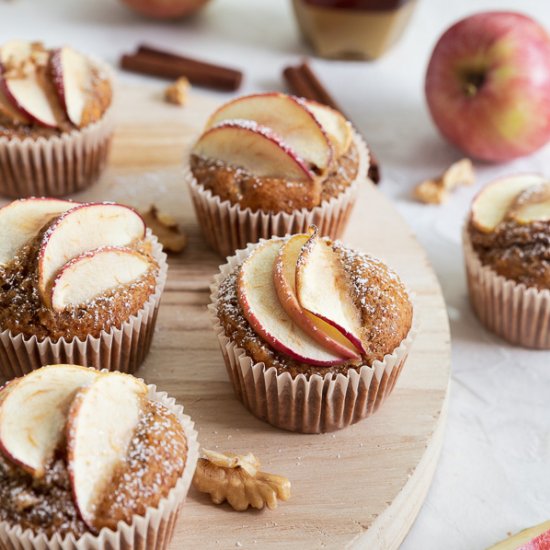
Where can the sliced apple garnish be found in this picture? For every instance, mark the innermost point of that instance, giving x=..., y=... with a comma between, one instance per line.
x=532, y=205
x=289, y=118
x=261, y=307
x=8, y=110
x=21, y=220
x=334, y=123
x=72, y=78
x=33, y=413
x=284, y=277
x=253, y=147
x=492, y=204
x=25, y=85
x=100, y=426
x=95, y=272
x=323, y=289
x=83, y=228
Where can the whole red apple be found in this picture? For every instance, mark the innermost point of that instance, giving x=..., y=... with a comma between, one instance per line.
x=165, y=9
x=488, y=85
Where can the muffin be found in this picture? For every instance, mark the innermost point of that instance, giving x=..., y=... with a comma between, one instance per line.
x=313, y=333
x=56, y=119
x=507, y=254
x=106, y=464
x=79, y=282
x=273, y=164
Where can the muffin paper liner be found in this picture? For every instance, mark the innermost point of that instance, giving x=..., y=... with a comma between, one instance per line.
x=151, y=531
x=307, y=405
x=121, y=349
x=227, y=227
x=513, y=311
x=58, y=165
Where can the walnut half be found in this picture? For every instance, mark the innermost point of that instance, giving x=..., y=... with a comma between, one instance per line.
x=236, y=478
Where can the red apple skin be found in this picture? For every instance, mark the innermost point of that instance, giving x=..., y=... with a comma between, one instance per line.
x=542, y=542
x=500, y=110
x=165, y=9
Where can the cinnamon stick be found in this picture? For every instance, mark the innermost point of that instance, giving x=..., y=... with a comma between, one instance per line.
x=153, y=61
x=303, y=82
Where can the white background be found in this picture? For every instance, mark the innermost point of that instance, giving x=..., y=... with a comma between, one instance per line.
x=493, y=476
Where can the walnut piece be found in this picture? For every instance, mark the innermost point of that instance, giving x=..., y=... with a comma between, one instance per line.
x=166, y=229
x=177, y=92
x=236, y=478
x=436, y=191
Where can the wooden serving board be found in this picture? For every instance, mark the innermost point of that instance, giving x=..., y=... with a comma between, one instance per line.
x=361, y=487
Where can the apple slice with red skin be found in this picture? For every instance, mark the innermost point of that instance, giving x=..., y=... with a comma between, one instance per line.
x=100, y=425
x=27, y=92
x=253, y=147
x=95, y=272
x=492, y=204
x=33, y=414
x=533, y=538
x=284, y=278
x=286, y=116
x=262, y=309
x=86, y=227
x=336, y=126
x=21, y=220
x=8, y=110
x=323, y=290
x=72, y=76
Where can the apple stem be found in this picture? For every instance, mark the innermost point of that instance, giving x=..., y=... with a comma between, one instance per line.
x=470, y=89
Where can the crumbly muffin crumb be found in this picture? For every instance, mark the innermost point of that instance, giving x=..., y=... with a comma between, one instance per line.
x=520, y=252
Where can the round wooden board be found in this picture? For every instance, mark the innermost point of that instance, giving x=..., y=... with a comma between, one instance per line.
x=361, y=487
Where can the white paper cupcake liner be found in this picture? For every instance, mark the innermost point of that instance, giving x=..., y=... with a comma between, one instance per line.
x=151, y=531
x=513, y=311
x=227, y=227
x=58, y=165
x=121, y=349
x=307, y=405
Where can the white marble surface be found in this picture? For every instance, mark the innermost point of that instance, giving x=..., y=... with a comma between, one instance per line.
x=493, y=474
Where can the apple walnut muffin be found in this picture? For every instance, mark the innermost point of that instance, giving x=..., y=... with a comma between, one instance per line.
x=150, y=458
x=384, y=309
x=95, y=289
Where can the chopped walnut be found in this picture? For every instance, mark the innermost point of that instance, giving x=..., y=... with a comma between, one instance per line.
x=166, y=229
x=177, y=92
x=236, y=478
x=436, y=191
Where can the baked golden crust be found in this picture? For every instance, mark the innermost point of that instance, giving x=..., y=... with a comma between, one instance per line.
x=22, y=310
x=274, y=194
x=386, y=316
x=155, y=461
x=520, y=252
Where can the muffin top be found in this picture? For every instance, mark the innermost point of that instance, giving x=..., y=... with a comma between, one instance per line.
x=274, y=152
x=46, y=92
x=306, y=305
x=509, y=228
x=72, y=269
x=99, y=452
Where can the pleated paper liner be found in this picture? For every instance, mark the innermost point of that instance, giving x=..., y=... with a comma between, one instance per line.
x=227, y=227
x=152, y=531
x=122, y=349
x=513, y=311
x=58, y=165
x=307, y=405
